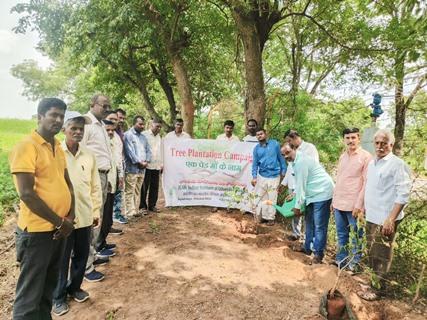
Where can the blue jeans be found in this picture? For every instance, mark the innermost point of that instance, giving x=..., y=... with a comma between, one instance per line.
x=344, y=220
x=316, y=226
x=118, y=203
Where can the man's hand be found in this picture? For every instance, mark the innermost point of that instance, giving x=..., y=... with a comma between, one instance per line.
x=297, y=212
x=64, y=231
x=357, y=213
x=143, y=164
x=289, y=197
x=253, y=182
x=95, y=222
x=388, y=227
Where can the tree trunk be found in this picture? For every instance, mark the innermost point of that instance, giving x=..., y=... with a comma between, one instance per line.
x=150, y=107
x=162, y=77
x=184, y=91
x=255, y=96
x=399, y=101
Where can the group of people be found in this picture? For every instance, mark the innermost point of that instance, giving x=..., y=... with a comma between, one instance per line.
x=372, y=188
x=72, y=192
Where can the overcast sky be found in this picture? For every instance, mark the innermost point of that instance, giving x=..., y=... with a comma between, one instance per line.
x=15, y=48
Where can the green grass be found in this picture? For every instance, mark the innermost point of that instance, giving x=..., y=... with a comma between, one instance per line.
x=11, y=132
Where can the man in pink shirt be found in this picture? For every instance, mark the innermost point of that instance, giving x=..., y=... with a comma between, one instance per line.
x=349, y=195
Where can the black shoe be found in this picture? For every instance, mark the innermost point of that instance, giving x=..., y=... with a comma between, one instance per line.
x=116, y=231
x=110, y=246
x=154, y=210
x=101, y=261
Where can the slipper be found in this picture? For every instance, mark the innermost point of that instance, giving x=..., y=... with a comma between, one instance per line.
x=368, y=295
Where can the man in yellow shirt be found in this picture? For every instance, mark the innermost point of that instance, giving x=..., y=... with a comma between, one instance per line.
x=46, y=212
x=84, y=175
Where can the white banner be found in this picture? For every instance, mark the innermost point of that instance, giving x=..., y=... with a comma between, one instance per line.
x=206, y=172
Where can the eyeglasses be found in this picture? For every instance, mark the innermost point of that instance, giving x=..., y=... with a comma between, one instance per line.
x=104, y=106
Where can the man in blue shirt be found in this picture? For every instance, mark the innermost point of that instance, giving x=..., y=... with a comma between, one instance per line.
x=314, y=189
x=268, y=168
x=137, y=156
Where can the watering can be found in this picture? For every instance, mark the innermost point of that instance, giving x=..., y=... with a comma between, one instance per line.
x=286, y=209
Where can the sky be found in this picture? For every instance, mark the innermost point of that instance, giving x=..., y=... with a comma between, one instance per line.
x=15, y=48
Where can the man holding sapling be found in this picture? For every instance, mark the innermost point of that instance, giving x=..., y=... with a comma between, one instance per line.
x=388, y=184
x=349, y=195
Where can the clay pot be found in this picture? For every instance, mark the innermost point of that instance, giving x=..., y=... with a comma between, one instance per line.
x=335, y=306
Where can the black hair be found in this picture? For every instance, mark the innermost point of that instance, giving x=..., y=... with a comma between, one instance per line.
x=229, y=123
x=107, y=122
x=350, y=130
x=47, y=103
x=121, y=111
x=291, y=133
x=179, y=121
x=252, y=120
x=107, y=113
x=156, y=120
x=135, y=119
x=260, y=129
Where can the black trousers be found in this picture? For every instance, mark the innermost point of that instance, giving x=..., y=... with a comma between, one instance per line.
x=150, y=187
x=78, y=243
x=107, y=222
x=40, y=260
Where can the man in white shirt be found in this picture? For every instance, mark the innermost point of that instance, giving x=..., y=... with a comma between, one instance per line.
x=388, y=184
x=81, y=165
x=309, y=150
x=178, y=133
x=150, y=186
x=228, y=132
x=251, y=128
x=96, y=139
x=117, y=148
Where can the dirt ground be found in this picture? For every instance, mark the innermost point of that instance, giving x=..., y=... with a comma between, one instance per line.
x=188, y=263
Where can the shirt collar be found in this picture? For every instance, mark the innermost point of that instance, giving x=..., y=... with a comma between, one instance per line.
x=40, y=140
x=355, y=152
x=134, y=131
x=93, y=118
x=387, y=157
x=65, y=148
x=266, y=143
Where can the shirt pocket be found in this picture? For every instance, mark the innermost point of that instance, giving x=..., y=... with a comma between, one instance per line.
x=385, y=181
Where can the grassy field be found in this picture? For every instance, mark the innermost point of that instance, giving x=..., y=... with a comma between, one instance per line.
x=11, y=132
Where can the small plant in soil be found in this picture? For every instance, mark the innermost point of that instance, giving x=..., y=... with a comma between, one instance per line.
x=336, y=306
x=154, y=227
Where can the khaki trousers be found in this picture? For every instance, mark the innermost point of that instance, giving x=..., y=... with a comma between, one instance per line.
x=133, y=184
x=266, y=189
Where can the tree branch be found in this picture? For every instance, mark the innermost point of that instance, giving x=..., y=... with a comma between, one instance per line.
x=414, y=92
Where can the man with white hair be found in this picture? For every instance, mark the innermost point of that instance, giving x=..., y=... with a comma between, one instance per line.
x=388, y=184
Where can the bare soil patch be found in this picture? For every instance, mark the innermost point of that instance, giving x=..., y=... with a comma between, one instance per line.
x=187, y=263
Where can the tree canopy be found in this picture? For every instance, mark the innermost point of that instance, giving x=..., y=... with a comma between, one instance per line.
x=279, y=62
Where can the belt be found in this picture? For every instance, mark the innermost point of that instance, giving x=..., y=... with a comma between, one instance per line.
x=104, y=171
